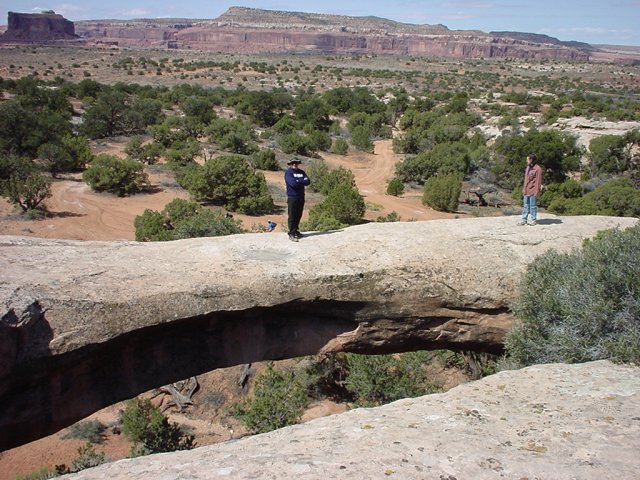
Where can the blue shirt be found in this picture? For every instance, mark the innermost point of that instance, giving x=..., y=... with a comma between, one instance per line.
x=296, y=180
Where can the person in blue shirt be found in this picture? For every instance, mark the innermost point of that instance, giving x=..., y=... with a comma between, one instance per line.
x=296, y=179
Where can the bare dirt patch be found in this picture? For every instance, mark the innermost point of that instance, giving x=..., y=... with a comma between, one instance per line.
x=78, y=213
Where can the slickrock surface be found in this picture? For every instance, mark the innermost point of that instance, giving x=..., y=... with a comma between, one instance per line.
x=551, y=422
x=87, y=324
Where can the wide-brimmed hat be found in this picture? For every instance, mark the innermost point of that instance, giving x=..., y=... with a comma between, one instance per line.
x=294, y=160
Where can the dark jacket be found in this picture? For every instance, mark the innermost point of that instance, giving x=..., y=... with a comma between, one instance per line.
x=296, y=180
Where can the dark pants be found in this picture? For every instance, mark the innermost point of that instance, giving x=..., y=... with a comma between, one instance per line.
x=294, y=211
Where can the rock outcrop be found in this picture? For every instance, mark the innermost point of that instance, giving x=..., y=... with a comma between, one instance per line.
x=555, y=421
x=87, y=324
x=38, y=27
x=255, y=30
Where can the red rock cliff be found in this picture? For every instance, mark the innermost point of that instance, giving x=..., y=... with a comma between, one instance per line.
x=254, y=30
x=38, y=27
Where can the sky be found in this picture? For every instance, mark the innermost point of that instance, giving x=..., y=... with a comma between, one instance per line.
x=613, y=22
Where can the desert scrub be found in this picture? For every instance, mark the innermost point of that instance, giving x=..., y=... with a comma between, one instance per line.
x=442, y=193
x=380, y=379
x=279, y=399
x=580, y=306
x=88, y=430
x=150, y=431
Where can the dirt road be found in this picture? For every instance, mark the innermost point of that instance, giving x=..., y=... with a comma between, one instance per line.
x=78, y=213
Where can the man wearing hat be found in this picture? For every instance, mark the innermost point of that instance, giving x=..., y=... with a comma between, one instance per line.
x=296, y=180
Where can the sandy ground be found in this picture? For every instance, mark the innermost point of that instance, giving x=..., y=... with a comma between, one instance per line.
x=78, y=213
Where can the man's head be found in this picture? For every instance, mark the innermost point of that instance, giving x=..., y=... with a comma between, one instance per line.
x=294, y=162
x=532, y=159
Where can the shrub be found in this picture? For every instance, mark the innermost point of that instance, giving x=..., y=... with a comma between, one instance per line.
x=395, y=187
x=379, y=379
x=145, y=153
x=581, y=306
x=618, y=197
x=112, y=174
x=442, y=193
x=265, y=160
x=87, y=458
x=28, y=192
x=293, y=143
x=361, y=139
x=228, y=180
x=325, y=180
x=344, y=204
x=183, y=219
x=319, y=141
x=43, y=473
x=279, y=399
x=89, y=430
x=340, y=147
x=152, y=226
x=144, y=424
x=391, y=217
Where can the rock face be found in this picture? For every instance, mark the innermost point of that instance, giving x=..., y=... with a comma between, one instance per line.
x=38, y=27
x=555, y=421
x=87, y=324
x=254, y=30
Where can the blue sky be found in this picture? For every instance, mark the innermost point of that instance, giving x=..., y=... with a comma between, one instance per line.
x=615, y=22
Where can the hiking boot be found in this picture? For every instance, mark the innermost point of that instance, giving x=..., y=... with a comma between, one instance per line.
x=292, y=237
x=297, y=234
x=533, y=223
x=521, y=222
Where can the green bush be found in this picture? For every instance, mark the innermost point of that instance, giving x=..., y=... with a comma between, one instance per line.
x=87, y=458
x=265, y=160
x=319, y=141
x=391, y=217
x=145, y=153
x=43, y=473
x=27, y=191
x=112, y=174
x=395, y=187
x=379, y=379
x=343, y=206
x=580, y=306
x=340, y=147
x=183, y=219
x=442, y=193
x=279, y=399
x=361, y=139
x=230, y=181
x=295, y=144
x=325, y=180
x=150, y=431
x=618, y=197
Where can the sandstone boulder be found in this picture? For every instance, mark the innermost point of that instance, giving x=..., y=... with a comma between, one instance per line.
x=87, y=324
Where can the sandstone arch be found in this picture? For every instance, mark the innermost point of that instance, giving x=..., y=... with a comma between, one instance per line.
x=86, y=324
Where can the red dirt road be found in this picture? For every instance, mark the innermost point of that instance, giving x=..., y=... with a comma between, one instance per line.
x=78, y=213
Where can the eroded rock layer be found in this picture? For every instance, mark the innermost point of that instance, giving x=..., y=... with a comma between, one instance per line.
x=87, y=324
x=252, y=30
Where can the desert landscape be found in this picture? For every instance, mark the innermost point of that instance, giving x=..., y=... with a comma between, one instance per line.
x=74, y=211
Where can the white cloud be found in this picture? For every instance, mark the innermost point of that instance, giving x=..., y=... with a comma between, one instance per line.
x=69, y=9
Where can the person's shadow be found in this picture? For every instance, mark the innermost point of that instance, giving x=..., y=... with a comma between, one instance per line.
x=549, y=221
x=315, y=234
